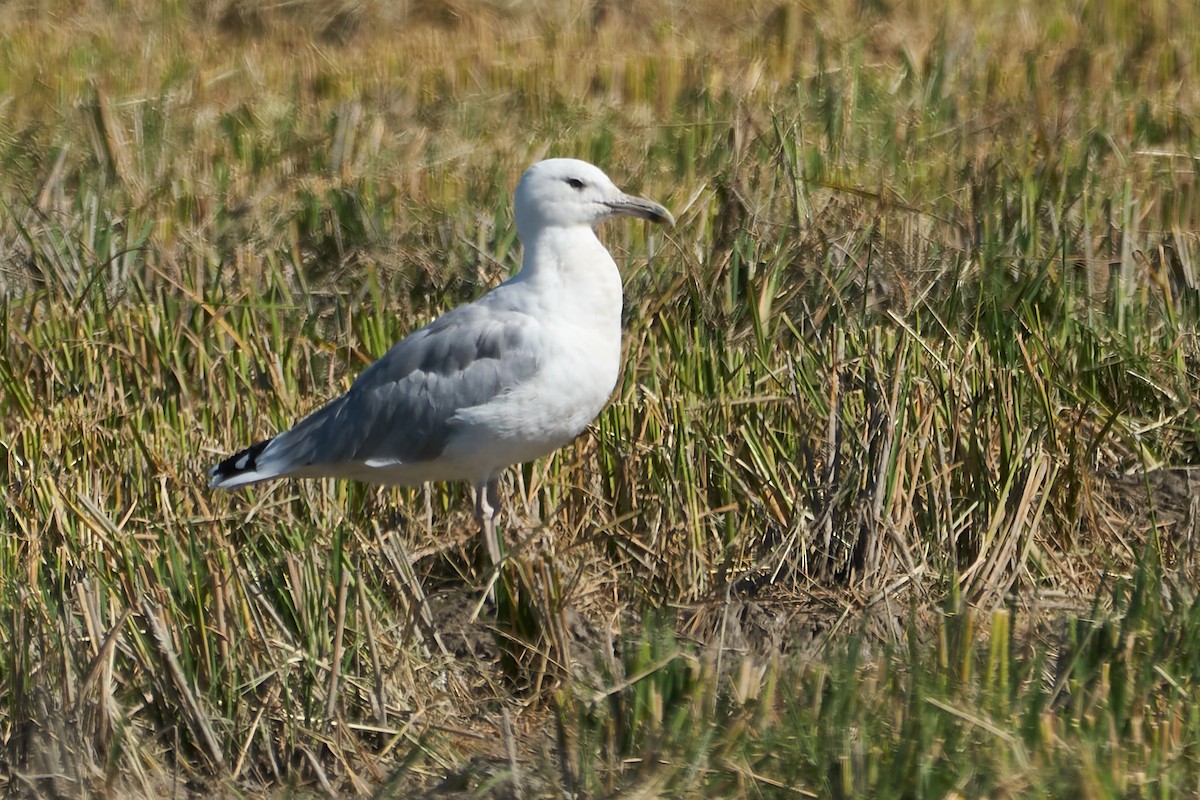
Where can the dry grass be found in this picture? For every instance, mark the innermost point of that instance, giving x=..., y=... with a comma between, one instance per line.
x=867, y=514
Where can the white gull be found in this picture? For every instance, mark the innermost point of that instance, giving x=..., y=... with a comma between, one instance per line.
x=503, y=380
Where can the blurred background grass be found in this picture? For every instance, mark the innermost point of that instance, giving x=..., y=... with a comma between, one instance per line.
x=893, y=497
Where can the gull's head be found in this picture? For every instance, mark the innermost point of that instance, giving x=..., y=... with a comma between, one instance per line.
x=566, y=192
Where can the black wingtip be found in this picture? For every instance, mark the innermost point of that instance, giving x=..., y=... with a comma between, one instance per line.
x=237, y=464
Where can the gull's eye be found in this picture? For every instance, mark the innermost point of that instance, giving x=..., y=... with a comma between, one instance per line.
x=575, y=183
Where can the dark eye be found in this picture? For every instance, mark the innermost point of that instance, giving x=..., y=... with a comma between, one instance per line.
x=575, y=183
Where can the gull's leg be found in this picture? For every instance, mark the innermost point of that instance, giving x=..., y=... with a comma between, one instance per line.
x=493, y=493
x=487, y=508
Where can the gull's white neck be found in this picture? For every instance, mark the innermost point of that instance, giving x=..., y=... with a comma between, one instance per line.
x=573, y=266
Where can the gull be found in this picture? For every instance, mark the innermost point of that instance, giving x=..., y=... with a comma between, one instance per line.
x=503, y=380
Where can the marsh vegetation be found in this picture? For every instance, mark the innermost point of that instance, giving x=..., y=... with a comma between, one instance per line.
x=892, y=499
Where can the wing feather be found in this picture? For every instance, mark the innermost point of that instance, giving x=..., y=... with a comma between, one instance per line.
x=400, y=410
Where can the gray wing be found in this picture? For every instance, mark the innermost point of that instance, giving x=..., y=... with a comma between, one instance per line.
x=399, y=409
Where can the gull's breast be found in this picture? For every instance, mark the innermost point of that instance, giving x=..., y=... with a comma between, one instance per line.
x=577, y=373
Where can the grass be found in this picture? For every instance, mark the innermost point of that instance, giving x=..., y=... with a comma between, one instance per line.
x=893, y=498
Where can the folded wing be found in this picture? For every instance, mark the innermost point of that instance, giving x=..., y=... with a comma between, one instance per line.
x=400, y=409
